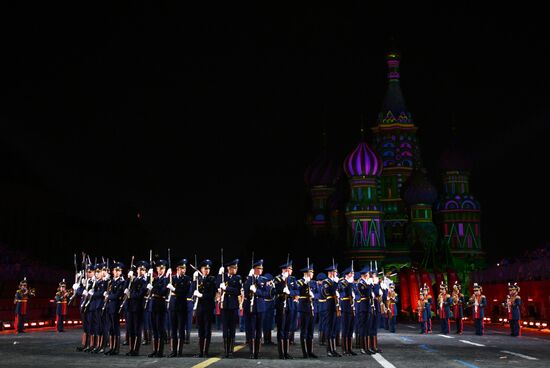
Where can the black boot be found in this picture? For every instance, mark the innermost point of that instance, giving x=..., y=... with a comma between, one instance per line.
x=180, y=347
x=131, y=344
x=160, y=353
x=287, y=349
x=146, y=337
x=137, y=345
x=173, y=348
x=251, y=346
x=337, y=339
x=280, y=349
x=304, y=348
x=116, y=346
x=322, y=338
x=225, y=348
x=187, y=336
x=309, y=347
x=206, y=346
x=350, y=350
x=334, y=352
x=257, y=348
x=111, y=346
x=329, y=349
x=155, y=348
x=201, y=348
x=231, y=346
x=344, y=347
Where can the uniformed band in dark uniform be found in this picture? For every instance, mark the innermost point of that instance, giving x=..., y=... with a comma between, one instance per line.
x=343, y=305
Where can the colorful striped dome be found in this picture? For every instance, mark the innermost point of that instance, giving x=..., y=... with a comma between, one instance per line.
x=363, y=161
x=323, y=171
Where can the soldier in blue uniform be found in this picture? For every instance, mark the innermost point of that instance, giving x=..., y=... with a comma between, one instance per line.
x=321, y=307
x=373, y=322
x=206, y=294
x=513, y=306
x=306, y=311
x=61, y=299
x=347, y=309
x=81, y=289
x=230, y=285
x=357, y=300
x=444, y=303
x=159, y=292
x=190, y=306
x=365, y=309
x=255, y=292
x=285, y=309
x=21, y=299
x=478, y=302
x=114, y=295
x=96, y=306
x=179, y=287
x=329, y=291
x=269, y=315
x=135, y=291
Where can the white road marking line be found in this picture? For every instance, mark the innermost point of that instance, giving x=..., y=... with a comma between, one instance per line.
x=519, y=355
x=471, y=343
x=413, y=327
x=445, y=336
x=382, y=361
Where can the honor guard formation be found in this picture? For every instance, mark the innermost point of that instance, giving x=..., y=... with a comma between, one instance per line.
x=159, y=306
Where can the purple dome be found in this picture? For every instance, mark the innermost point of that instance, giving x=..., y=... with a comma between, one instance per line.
x=363, y=161
x=418, y=189
x=323, y=171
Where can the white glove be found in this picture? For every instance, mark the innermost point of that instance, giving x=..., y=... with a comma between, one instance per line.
x=195, y=275
x=171, y=287
x=127, y=292
x=105, y=294
x=149, y=286
x=285, y=275
x=221, y=270
x=337, y=294
x=335, y=279
x=150, y=272
x=197, y=294
x=251, y=272
x=169, y=272
x=76, y=286
x=85, y=293
x=91, y=293
x=222, y=286
x=350, y=279
x=307, y=279
x=369, y=281
x=380, y=292
x=107, y=277
x=286, y=291
x=253, y=288
x=311, y=294
x=130, y=274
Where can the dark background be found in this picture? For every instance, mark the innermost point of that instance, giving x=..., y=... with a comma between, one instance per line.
x=203, y=120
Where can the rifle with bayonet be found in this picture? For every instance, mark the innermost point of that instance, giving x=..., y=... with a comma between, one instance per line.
x=125, y=298
x=77, y=278
x=109, y=289
x=253, y=283
x=150, y=292
x=170, y=269
x=222, y=292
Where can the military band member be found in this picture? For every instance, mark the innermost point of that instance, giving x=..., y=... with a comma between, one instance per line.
x=61, y=298
x=114, y=294
x=285, y=308
x=429, y=299
x=269, y=315
x=513, y=305
x=81, y=290
x=391, y=309
x=255, y=292
x=159, y=292
x=230, y=285
x=135, y=291
x=444, y=302
x=423, y=308
x=329, y=292
x=21, y=299
x=306, y=311
x=179, y=286
x=347, y=308
x=206, y=294
x=478, y=302
x=458, y=307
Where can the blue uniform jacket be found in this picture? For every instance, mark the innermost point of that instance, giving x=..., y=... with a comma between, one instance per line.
x=345, y=289
x=305, y=302
x=328, y=292
x=263, y=291
x=232, y=291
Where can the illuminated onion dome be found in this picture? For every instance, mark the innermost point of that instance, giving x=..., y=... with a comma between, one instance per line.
x=418, y=189
x=324, y=171
x=363, y=161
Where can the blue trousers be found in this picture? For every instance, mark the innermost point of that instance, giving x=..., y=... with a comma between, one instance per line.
x=478, y=322
x=306, y=325
x=230, y=318
x=347, y=324
x=514, y=326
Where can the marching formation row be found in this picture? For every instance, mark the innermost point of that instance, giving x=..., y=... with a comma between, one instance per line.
x=164, y=302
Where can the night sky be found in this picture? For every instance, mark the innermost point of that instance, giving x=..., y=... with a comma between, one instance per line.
x=204, y=119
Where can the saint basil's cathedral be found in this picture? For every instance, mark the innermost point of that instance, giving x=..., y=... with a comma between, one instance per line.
x=388, y=211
